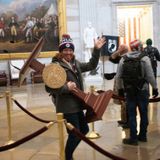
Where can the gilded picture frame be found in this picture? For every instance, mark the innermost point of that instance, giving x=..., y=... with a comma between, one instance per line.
x=61, y=28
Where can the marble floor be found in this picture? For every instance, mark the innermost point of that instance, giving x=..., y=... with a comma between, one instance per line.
x=46, y=146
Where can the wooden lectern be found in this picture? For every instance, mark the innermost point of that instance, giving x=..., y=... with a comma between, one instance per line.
x=32, y=62
x=94, y=104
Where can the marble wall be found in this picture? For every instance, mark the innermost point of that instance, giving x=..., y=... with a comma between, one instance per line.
x=103, y=15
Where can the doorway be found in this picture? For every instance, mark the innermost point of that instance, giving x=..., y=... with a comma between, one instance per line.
x=135, y=22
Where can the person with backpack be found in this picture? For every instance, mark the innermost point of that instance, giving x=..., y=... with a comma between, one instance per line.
x=153, y=54
x=115, y=58
x=134, y=74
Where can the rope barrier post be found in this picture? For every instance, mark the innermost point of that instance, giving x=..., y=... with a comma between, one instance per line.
x=92, y=134
x=1, y=96
x=60, y=121
x=8, y=103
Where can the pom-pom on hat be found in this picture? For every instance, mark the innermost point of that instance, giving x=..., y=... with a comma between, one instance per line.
x=136, y=44
x=66, y=42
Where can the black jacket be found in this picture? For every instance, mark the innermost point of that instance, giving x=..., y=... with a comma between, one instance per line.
x=65, y=101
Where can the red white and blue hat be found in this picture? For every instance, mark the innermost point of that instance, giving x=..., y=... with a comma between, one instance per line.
x=66, y=42
x=135, y=44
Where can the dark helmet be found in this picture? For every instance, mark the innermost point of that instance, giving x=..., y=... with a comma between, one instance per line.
x=149, y=42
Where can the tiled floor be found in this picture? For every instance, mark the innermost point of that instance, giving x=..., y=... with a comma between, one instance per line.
x=46, y=146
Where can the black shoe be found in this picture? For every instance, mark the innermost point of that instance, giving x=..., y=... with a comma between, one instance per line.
x=120, y=122
x=142, y=139
x=125, y=126
x=130, y=141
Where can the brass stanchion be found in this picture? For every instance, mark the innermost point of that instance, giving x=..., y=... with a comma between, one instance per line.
x=92, y=134
x=61, y=135
x=8, y=103
x=1, y=96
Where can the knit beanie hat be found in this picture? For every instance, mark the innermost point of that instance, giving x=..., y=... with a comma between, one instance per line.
x=136, y=44
x=149, y=42
x=66, y=42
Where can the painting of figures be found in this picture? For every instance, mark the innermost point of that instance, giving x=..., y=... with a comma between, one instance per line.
x=23, y=22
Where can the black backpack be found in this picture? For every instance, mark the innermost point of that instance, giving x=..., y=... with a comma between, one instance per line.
x=132, y=75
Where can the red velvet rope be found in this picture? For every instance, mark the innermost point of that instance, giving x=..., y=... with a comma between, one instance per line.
x=30, y=114
x=92, y=144
x=23, y=140
x=151, y=100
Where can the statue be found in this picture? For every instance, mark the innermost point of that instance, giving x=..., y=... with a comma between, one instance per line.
x=89, y=36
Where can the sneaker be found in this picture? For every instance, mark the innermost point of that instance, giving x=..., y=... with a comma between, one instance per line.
x=142, y=139
x=130, y=141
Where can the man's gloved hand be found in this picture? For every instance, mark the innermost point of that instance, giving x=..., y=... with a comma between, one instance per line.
x=155, y=93
x=121, y=92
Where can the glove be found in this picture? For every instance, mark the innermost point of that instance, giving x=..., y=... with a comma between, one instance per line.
x=155, y=93
x=121, y=92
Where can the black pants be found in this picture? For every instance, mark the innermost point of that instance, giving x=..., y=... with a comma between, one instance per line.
x=79, y=122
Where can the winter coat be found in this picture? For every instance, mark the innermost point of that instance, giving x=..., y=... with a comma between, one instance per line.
x=65, y=101
x=147, y=72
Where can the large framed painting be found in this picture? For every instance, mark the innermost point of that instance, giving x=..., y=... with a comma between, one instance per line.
x=24, y=22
